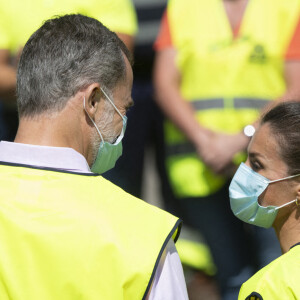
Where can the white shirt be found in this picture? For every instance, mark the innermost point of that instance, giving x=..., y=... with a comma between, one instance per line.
x=168, y=282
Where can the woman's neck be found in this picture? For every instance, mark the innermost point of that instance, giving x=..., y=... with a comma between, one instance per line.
x=288, y=232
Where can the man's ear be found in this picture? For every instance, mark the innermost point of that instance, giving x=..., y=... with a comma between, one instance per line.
x=92, y=99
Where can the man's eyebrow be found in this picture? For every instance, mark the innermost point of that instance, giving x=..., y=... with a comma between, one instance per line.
x=130, y=103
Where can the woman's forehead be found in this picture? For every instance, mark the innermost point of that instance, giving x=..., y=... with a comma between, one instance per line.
x=264, y=143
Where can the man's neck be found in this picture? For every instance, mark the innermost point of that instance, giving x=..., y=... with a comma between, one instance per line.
x=53, y=131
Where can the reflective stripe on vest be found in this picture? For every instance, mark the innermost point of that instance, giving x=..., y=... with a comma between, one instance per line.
x=69, y=236
x=182, y=148
x=251, y=103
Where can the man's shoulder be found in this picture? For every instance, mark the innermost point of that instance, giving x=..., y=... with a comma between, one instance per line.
x=85, y=196
x=117, y=194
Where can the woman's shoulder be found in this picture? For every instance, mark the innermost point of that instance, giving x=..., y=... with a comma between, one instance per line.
x=278, y=280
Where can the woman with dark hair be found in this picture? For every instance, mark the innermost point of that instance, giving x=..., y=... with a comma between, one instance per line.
x=265, y=192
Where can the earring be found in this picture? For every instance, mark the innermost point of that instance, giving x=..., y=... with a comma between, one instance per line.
x=297, y=201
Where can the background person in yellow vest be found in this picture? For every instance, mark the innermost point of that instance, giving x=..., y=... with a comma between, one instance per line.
x=218, y=64
x=18, y=20
x=265, y=191
x=66, y=232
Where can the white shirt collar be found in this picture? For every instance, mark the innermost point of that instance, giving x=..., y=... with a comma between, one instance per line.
x=61, y=158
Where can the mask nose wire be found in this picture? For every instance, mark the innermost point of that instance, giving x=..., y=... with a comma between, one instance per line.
x=112, y=103
x=92, y=120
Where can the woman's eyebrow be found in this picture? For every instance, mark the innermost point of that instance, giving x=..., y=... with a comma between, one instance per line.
x=254, y=154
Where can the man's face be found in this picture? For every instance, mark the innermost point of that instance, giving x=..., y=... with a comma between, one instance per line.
x=110, y=123
x=122, y=100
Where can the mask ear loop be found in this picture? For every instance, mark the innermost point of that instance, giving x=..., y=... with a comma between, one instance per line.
x=111, y=103
x=285, y=178
x=123, y=117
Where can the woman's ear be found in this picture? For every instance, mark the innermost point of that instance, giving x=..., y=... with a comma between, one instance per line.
x=298, y=196
x=298, y=205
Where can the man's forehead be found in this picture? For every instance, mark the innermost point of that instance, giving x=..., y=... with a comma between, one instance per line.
x=122, y=95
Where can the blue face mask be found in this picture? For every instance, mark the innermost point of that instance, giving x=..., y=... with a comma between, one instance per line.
x=108, y=153
x=244, y=190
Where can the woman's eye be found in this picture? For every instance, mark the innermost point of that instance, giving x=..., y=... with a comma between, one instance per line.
x=255, y=165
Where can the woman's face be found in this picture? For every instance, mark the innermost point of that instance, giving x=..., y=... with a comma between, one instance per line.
x=264, y=158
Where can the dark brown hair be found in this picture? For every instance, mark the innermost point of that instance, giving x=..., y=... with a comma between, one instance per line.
x=284, y=121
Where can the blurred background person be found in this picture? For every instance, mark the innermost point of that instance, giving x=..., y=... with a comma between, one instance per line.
x=218, y=64
x=18, y=20
x=265, y=192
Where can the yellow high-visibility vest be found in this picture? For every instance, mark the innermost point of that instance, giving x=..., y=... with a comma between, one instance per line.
x=276, y=281
x=20, y=18
x=76, y=236
x=227, y=80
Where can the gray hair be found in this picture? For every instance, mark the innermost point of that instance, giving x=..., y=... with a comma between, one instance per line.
x=65, y=55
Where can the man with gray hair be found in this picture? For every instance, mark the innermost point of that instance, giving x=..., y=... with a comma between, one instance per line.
x=66, y=232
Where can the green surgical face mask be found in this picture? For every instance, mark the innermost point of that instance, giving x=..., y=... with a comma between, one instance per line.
x=108, y=153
